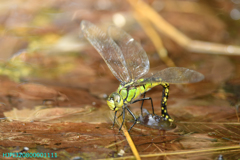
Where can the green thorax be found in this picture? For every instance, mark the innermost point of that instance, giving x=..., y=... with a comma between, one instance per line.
x=130, y=92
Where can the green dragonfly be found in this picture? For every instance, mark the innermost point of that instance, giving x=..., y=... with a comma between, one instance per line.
x=129, y=63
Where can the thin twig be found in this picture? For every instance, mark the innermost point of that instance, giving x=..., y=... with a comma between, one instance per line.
x=129, y=139
x=192, y=45
x=155, y=38
x=185, y=152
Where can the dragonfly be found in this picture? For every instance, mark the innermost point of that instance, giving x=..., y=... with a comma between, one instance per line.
x=129, y=63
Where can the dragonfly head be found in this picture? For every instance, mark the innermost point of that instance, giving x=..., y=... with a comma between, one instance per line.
x=115, y=101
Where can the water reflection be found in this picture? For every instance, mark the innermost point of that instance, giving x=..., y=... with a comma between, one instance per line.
x=154, y=121
x=235, y=14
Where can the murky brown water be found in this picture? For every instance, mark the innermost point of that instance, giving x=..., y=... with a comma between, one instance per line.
x=53, y=93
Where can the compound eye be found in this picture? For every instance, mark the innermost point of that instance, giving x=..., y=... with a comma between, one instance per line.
x=117, y=98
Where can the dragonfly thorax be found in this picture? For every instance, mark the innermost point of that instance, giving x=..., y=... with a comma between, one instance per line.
x=115, y=101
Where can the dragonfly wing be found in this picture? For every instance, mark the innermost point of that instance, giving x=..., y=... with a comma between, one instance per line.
x=109, y=50
x=136, y=59
x=173, y=75
x=179, y=75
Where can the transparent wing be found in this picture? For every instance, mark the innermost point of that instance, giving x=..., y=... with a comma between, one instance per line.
x=109, y=50
x=136, y=59
x=173, y=75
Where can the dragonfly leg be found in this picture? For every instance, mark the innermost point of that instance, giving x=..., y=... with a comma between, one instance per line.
x=143, y=99
x=123, y=118
x=143, y=102
x=120, y=115
x=114, y=119
x=165, y=95
x=135, y=119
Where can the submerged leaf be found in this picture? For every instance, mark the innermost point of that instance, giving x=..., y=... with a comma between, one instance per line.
x=42, y=113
